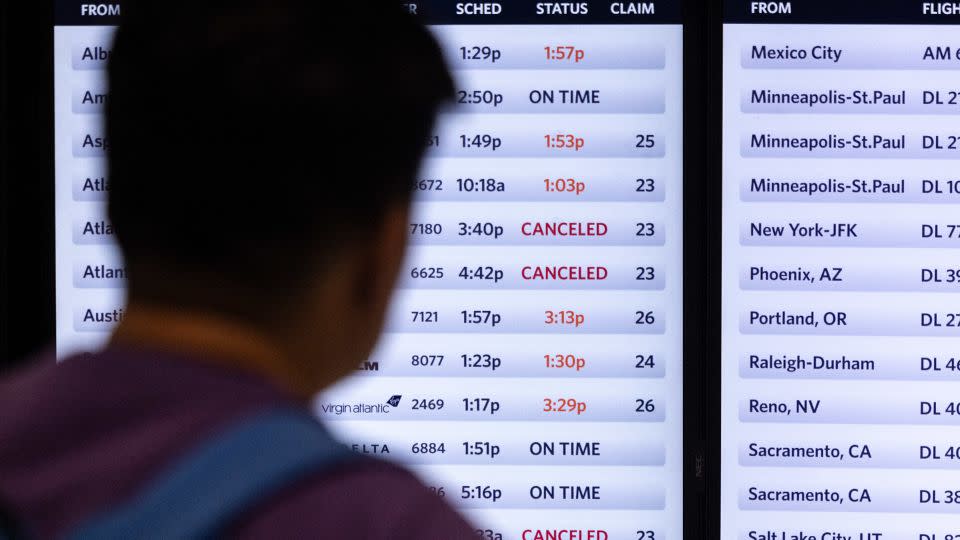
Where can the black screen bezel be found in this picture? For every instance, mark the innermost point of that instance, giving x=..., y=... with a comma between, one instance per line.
x=27, y=316
x=703, y=96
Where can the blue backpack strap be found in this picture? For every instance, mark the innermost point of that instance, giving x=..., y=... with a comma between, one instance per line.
x=213, y=485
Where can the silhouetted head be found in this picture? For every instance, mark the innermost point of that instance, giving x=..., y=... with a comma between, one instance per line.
x=262, y=160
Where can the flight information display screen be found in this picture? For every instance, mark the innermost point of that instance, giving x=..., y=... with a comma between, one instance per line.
x=531, y=369
x=841, y=223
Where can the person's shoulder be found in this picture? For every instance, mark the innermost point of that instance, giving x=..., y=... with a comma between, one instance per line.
x=29, y=370
x=20, y=386
x=363, y=499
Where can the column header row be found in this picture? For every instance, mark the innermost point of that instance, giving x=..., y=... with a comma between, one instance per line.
x=843, y=12
x=436, y=12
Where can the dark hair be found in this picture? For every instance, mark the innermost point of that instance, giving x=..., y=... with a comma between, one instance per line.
x=249, y=137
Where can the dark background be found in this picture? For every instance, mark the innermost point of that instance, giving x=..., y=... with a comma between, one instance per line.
x=26, y=180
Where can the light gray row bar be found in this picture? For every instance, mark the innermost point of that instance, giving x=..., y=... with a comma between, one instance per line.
x=433, y=443
x=935, y=451
x=934, y=362
x=868, y=188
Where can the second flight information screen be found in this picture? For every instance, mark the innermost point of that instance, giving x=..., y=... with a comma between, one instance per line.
x=531, y=368
x=841, y=223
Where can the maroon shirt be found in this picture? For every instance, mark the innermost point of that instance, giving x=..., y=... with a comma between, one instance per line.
x=82, y=436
